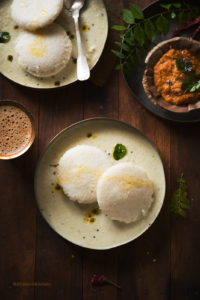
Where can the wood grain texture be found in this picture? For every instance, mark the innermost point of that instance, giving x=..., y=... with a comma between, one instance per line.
x=185, y=241
x=149, y=254
x=101, y=73
x=18, y=210
x=161, y=264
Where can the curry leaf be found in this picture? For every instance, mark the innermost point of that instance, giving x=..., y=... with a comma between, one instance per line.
x=150, y=30
x=162, y=24
x=118, y=53
x=119, y=151
x=130, y=41
x=4, y=37
x=196, y=86
x=124, y=46
x=166, y=6
x=180, y=201
x=183, y=65
x=139, y=35
x=176, y=4
x=136, y=12
x=128, y=16
x=119, y=27
x=191, y=84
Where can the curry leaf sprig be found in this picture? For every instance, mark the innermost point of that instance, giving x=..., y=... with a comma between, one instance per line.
x=180, y=202
x=139, y=32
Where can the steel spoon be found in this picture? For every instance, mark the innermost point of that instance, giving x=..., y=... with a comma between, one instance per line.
x=83, y=71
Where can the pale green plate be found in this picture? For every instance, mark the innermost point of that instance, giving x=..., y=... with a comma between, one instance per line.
x=67, y=217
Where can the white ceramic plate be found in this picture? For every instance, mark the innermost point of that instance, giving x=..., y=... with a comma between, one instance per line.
x=94, y=30
x=66, y=217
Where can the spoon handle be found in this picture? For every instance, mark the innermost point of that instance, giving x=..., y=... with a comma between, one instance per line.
x=83, y=71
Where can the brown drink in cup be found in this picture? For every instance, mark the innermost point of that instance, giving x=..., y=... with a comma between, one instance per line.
x=17, y=131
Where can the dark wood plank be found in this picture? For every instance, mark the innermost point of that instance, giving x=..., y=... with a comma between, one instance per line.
x=58, y=262
x=144, y=265
x=17, y=214
x=101, y=73
x=102, y=102
x=161, y=264
x=185, y=241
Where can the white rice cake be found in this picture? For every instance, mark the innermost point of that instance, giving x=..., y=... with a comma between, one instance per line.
x=34, y=14
x=79, y=170
x=45, y=52
x=124, y=192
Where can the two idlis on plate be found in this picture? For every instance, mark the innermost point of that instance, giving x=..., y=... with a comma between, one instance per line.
x=123, y=190
x=47, y=50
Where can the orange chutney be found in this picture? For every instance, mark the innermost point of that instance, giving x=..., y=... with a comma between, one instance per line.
x=168, y=79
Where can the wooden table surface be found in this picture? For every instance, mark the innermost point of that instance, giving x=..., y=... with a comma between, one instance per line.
x=36, y=263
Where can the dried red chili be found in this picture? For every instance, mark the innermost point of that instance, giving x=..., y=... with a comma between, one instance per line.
x=98, y=280
x=197, y=30
x=186, y=25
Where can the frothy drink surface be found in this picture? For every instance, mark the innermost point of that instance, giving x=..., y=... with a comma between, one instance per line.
x=15, y=130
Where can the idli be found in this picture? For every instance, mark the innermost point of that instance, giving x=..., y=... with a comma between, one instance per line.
x=45, y=52
x=124, y=192
x=79, y=170
x=34, y=14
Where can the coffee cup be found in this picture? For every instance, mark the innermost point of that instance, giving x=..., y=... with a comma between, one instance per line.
x=17, y=129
